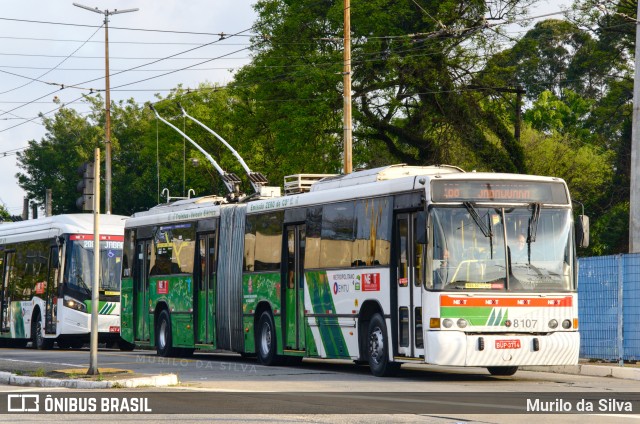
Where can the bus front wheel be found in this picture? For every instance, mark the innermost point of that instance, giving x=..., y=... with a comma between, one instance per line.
x=37, y=336
x=163, y=335
x=266, y=346
x=502, y=371
x=378, y=349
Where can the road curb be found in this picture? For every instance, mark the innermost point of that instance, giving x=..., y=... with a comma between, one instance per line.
x=153, y=381
x=625, y=373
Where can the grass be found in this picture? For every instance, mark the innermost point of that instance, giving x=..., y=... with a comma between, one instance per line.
x=40, y=372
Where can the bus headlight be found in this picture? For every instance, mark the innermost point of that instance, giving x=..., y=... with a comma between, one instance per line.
x=462, y=323
x=447, y=323
x=553, y=323
x=72, y=303
x=566, y=324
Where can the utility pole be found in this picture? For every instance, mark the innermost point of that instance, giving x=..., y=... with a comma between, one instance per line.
x=347, y=88
x=634, y=189
x=107, y=100
x=95, y=284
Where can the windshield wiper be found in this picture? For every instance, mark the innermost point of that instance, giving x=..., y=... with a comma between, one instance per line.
x=83, y=285
x=533, y=221
x=486, y=230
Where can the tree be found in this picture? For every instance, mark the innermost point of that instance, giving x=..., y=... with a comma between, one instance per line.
x=147, y=155
x=413, y=72
x=53, y=161
x=4, y=213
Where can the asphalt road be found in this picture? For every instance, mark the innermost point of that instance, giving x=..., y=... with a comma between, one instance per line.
x=336, y=386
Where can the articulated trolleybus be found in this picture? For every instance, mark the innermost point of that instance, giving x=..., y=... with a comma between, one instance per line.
x=46, y=269
x=393, y=265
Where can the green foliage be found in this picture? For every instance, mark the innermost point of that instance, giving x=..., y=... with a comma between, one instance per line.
x=431, y=84
x=53, y=161
x=610, y=231
x=585, y=168
x=4, y=213
x=411, y=102
x=566, y=116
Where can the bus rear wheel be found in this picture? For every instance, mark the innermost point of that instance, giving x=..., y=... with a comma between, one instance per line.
x=502, y=371
x=125, y=346
x=378, y=349
x=164, y=342
x=266, y=346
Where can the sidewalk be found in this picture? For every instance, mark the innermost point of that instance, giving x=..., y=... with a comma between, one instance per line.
x=594, y=369
x=78, y=379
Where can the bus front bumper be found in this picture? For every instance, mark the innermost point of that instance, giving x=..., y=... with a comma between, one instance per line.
x=75, y=322
x=456, y=348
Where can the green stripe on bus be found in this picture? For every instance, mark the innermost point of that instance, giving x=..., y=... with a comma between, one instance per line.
x=330, y=333
x=483, y=316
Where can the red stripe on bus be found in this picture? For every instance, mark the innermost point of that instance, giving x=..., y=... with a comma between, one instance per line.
x=506, y=301
x=103, y=237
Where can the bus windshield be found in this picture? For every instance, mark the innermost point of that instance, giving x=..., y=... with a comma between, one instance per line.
x=78, y=273
x=525, y=248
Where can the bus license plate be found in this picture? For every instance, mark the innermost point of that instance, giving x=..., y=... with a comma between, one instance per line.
x=114, y=329
x=507, y=344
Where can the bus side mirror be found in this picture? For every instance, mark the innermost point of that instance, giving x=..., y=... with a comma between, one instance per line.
x=421, y=228
x=582, y=231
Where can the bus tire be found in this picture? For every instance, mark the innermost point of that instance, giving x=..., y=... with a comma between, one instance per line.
x=378, y=349
x=37, y=336
x=266, y=345
x=125, y=346
x=164, y=342
x=502, y=371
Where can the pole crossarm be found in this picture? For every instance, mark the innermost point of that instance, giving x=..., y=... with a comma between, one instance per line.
x=107, y=99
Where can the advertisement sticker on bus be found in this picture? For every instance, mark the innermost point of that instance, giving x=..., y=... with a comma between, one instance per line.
x=371, y=282
x=163, y=287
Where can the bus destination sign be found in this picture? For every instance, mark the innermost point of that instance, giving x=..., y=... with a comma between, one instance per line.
x=499, y=191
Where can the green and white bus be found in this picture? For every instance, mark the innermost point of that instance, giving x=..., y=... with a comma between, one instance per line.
x=387, y=266
x=46, y=270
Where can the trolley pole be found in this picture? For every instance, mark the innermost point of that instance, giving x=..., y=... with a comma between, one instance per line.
x=347, y=89
x=95, y=284
x=107, y=101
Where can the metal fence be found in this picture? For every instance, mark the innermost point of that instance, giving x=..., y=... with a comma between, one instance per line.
x=609, y=307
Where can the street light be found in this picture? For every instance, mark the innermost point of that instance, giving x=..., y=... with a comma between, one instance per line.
x=107, y=99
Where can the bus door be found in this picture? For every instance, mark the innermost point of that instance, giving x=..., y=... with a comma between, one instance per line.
x=293, y=327
x=5, y=299
x=141, y=290
x=410, y=263
x=205, y=295
x=51, y=292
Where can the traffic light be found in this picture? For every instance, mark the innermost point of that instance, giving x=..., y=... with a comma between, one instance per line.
x=85, y=186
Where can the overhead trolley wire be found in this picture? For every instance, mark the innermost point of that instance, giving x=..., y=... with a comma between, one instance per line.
x=63, y=86
x=32, y=80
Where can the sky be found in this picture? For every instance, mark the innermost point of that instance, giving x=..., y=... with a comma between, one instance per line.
x=45, y=45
